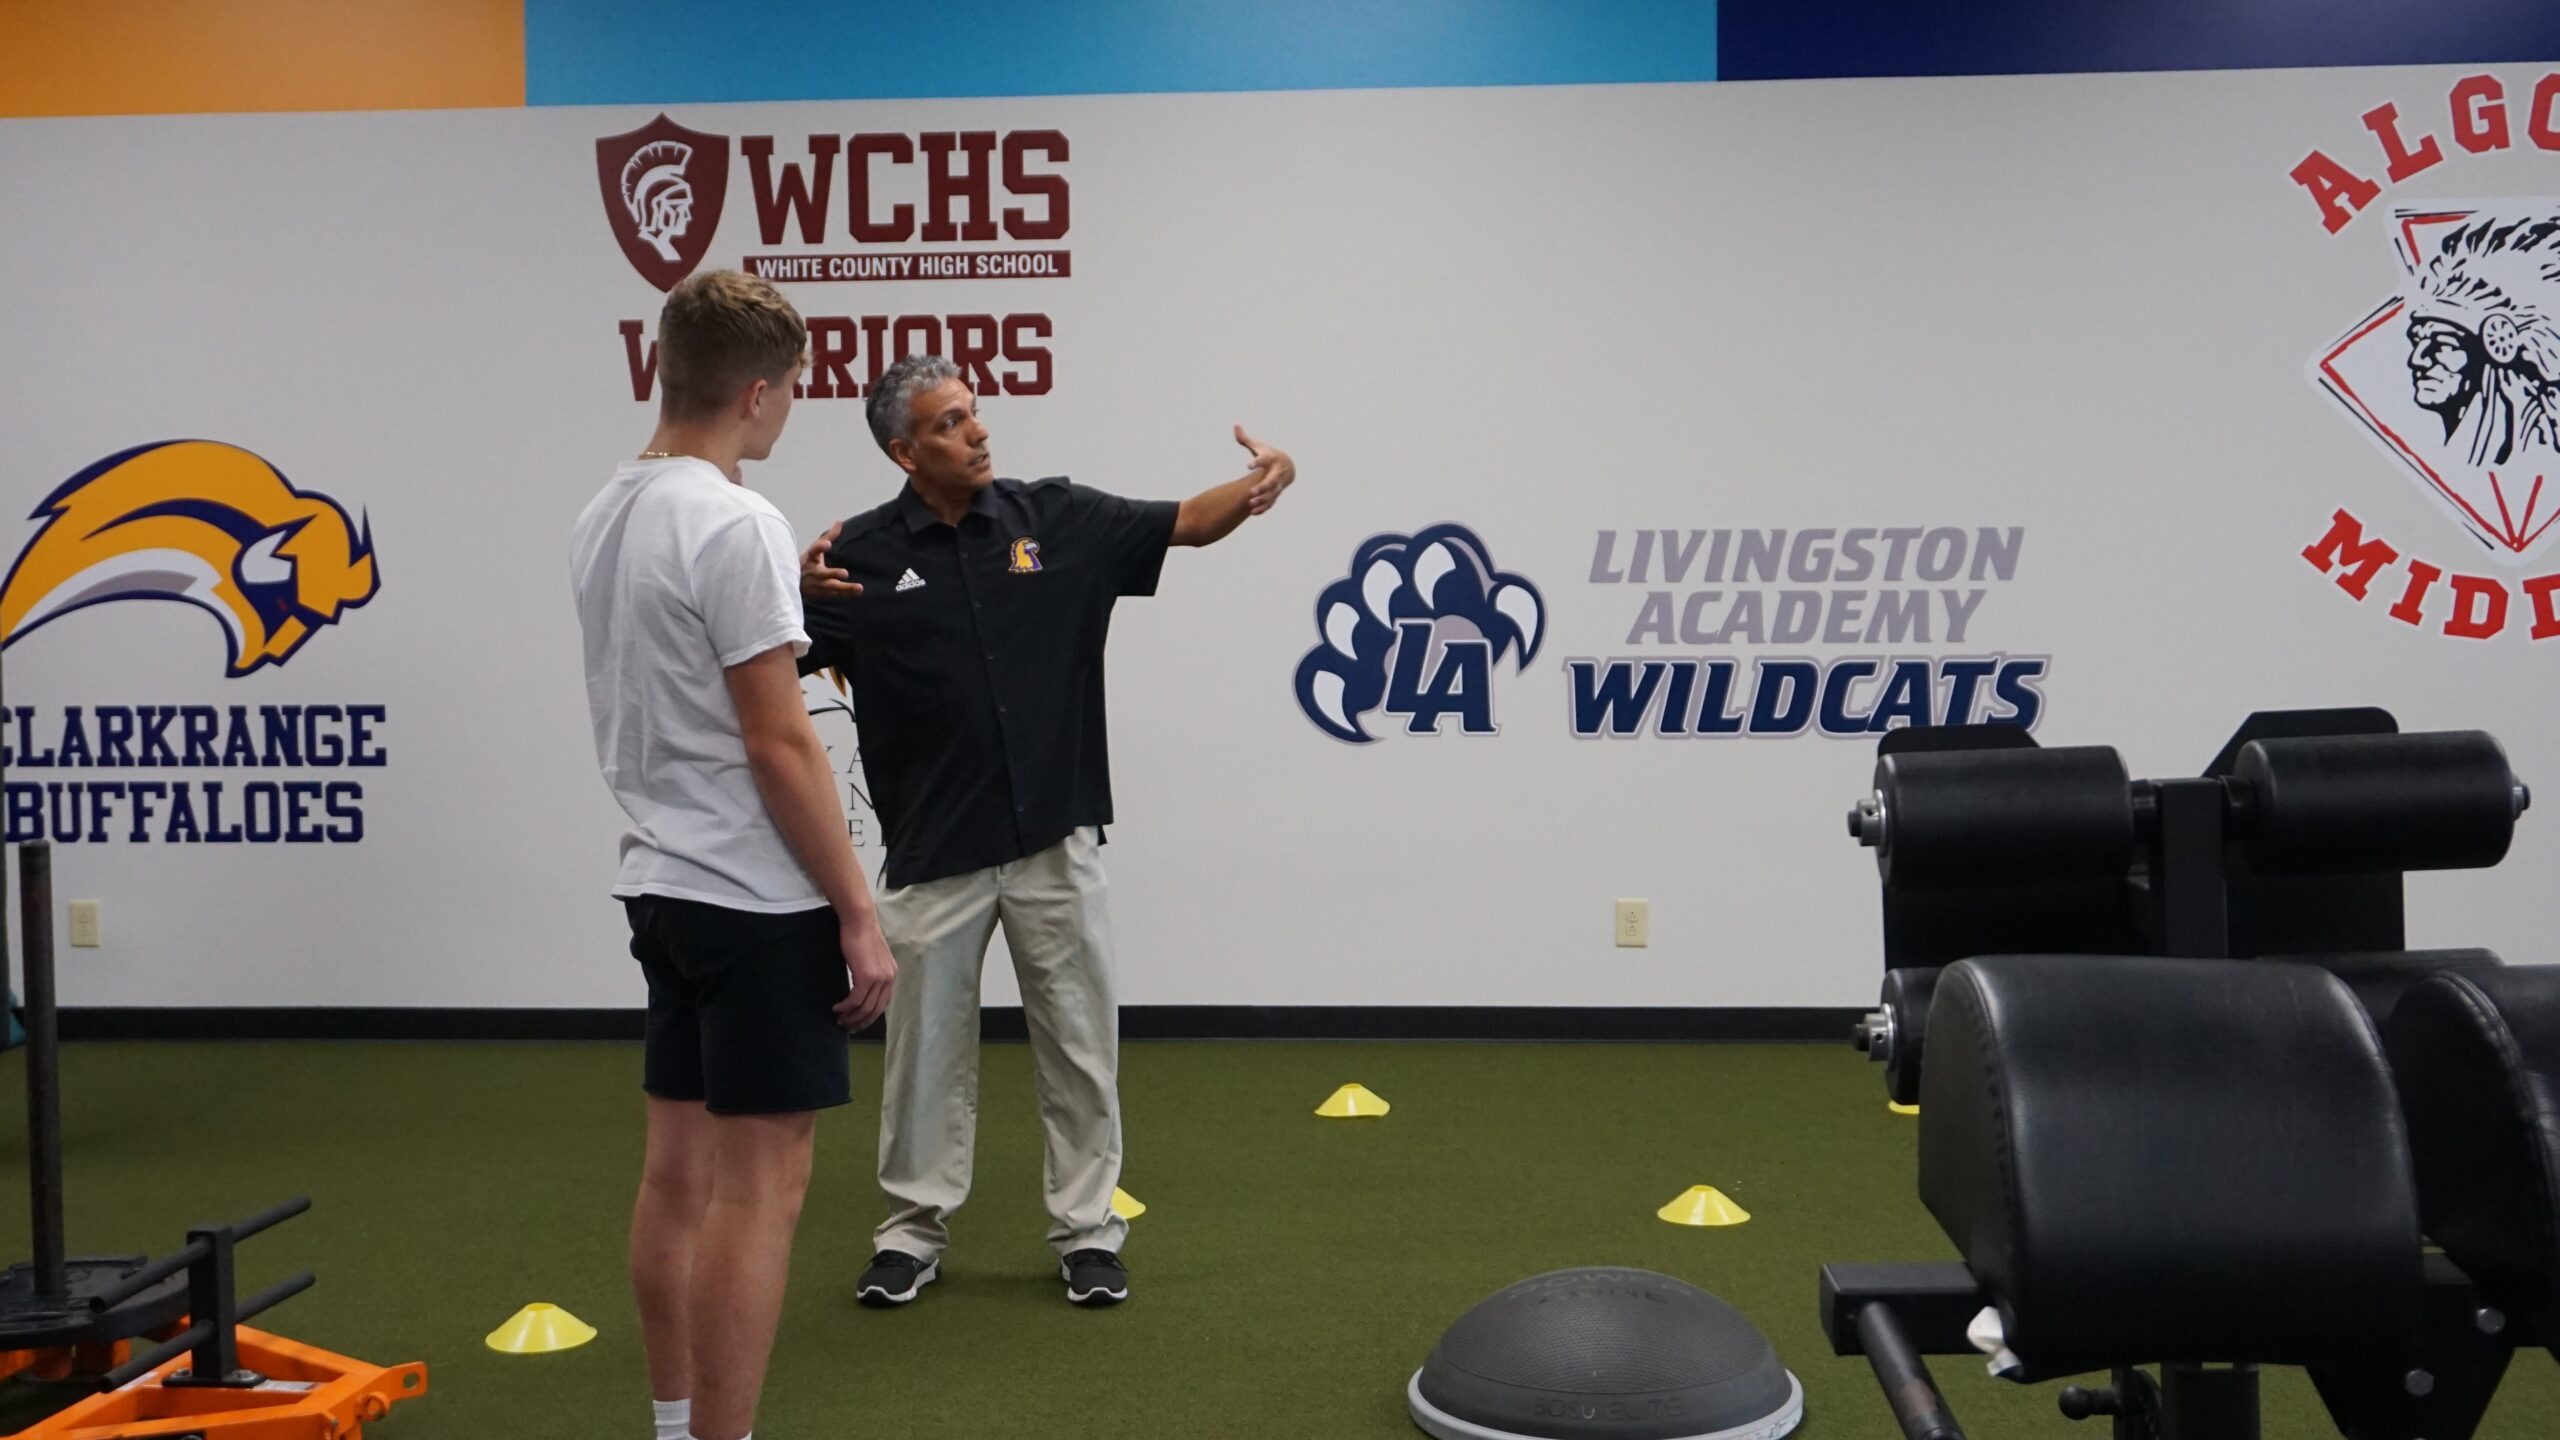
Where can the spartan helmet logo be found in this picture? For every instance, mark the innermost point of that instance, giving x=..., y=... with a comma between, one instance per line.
x=663, y=185
x=655, y=192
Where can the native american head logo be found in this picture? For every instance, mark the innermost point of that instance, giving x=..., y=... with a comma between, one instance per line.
x=2458, y=375
x=663, y=185
x=202, y=522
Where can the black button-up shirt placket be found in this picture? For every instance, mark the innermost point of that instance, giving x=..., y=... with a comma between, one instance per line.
x=975, y=574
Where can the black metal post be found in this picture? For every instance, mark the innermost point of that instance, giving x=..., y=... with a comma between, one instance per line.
x=2201, y=1404
x=209, y=1301
x=2195, y=913
x=3, y=834
x=44, y=1067
x=4, y=842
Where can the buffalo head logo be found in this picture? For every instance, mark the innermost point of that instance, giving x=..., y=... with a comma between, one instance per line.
x=202, y=522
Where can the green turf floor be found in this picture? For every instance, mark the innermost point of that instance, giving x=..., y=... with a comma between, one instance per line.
x=1290, y=1273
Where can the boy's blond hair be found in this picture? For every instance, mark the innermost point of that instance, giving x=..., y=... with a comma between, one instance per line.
x=718, y=331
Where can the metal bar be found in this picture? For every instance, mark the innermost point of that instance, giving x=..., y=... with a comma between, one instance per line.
x=44, y=1068
x=168, y=1265
x=144, y=1278
x=269, y=1218
x=152, y=1359
x=274, y=1295
x=1907, y=1387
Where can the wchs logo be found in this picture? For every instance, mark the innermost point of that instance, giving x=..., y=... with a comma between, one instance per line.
x=663, y=187
x=1417, y=626
x=202, y=522
x=2458, y=375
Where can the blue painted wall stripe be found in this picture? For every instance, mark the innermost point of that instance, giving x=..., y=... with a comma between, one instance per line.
x=1810, y=39
x=581, y=52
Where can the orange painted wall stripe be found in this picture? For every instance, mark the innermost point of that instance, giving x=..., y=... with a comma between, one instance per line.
x=163, y=57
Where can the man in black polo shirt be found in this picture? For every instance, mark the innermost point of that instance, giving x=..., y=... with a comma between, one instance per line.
x=968, y=617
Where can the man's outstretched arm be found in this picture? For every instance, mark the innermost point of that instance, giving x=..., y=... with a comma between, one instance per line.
x=1213, y=514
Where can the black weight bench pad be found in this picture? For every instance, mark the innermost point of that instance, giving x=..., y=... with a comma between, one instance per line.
x=2380, y=977
x=2478, y=1061
x=2150, y=1159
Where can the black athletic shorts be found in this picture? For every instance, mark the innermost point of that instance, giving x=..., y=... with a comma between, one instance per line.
x=741, y=1007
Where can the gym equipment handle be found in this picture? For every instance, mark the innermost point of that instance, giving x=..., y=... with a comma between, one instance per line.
x=1907, y=1387
x=170, y=1264
x=271, y=1217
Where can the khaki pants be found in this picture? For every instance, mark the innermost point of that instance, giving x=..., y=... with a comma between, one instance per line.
x=1055, y=922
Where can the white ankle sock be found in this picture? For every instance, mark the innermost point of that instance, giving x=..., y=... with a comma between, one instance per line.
x=675, y=1419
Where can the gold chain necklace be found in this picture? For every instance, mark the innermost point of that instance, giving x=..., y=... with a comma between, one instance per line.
x=660, y=455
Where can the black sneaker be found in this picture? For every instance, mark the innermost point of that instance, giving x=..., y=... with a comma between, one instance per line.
x=1095, y=1277
x=894, y=1278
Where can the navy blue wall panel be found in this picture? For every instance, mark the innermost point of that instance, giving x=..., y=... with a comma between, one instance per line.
x=1813, y=39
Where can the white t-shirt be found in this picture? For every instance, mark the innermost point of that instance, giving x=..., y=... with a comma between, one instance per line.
x=680, y=574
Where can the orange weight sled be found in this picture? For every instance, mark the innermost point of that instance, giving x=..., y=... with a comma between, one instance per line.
x=309, y=1394
x=81, y=1321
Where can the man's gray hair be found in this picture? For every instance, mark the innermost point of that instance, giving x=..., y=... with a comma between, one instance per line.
x=891, y=408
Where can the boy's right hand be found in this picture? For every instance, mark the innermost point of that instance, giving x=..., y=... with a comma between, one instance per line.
x=873, y=970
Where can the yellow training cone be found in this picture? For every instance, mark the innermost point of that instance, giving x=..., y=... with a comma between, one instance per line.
x=1350, y=1102
x=539, y=1330
x=1901, y=1109
x=1126, y=1205
x=1703, y=1205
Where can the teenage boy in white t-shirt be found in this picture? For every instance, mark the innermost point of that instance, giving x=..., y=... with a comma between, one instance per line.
x=749, y=916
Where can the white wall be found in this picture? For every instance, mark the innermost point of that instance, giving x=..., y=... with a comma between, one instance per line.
x=2082, y=306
